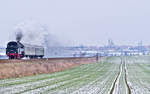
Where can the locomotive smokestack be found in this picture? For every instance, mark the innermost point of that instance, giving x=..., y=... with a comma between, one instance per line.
x=19, y=36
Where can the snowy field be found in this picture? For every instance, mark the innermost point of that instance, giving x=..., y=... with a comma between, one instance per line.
x=113, y=75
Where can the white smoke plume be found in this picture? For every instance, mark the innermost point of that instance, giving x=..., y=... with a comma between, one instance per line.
x=34, y=33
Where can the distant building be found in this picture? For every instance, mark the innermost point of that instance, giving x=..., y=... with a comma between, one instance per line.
x=111, y=44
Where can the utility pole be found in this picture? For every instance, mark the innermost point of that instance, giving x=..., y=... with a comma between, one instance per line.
x=97, y=57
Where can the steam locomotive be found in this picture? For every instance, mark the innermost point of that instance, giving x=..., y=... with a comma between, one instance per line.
x=17, y=50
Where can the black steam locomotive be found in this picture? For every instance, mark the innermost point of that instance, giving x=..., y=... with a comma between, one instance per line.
x=17, y=50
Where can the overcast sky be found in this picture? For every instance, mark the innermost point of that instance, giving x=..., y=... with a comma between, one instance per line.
x=88, y=22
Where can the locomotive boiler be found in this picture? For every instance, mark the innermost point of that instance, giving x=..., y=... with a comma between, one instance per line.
x=17, y=50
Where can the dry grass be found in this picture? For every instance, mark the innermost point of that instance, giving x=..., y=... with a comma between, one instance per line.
x=20, y=68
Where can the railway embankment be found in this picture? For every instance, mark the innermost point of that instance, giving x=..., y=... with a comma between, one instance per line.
x=21, y=68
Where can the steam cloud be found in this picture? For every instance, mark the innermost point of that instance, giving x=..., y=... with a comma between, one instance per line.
x=31, y=32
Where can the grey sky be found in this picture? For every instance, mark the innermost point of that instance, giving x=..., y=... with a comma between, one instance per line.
x=89, y=22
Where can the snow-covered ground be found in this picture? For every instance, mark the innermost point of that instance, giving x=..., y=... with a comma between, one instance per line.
x=113, y=75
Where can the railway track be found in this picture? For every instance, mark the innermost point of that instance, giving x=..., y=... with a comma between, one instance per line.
x=43, y=59
x=115, y=85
